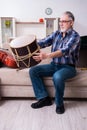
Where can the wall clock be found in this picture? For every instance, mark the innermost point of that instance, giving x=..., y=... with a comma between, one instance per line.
x=48, y=11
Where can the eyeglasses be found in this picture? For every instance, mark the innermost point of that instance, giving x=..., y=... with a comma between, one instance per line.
x=64, y=21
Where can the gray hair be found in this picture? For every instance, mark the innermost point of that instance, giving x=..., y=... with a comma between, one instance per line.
x=70, y=15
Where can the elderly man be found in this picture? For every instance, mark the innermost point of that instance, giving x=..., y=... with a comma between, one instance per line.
x=64, y=54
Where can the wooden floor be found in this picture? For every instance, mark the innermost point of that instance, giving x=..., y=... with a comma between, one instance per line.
x=18, y=115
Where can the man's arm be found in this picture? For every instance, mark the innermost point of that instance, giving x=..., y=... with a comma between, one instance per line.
x=41, y=56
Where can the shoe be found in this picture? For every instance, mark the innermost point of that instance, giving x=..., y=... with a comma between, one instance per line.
x=60, y=110
x=42, y=102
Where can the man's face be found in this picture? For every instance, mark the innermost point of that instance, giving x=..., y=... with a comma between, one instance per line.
x=65, y=23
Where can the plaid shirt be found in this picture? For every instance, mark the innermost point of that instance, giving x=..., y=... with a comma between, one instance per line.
x=69, y=45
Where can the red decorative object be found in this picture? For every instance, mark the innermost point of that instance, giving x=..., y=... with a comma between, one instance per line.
x=7, y=59
x=41, y=20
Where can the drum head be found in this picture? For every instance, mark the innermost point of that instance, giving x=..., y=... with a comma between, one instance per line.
x=22, y=41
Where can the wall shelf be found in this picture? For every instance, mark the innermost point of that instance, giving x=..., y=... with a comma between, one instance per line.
x=29, y=22
x=7, y=29
x=51, y=25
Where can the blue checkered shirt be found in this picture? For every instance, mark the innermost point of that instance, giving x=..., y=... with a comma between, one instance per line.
x=69, y=46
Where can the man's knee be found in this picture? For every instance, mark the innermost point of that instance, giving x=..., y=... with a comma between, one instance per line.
x=57, y=78
x=31, y=71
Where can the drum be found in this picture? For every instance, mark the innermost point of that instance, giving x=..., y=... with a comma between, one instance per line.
x=23, y=48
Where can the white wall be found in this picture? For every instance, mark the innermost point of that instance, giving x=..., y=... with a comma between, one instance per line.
x=32, y=10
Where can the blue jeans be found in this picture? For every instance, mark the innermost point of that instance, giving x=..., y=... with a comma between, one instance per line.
x=59, y=74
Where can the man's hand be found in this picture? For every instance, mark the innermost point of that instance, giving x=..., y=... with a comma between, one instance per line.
x=40, y=56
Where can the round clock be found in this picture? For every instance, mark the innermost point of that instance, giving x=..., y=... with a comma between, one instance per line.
x=48, y=11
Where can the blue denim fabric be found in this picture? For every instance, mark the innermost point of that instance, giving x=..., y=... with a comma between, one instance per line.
x=59, y=73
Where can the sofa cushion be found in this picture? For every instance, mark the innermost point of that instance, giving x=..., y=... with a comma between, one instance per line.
x=21, y=77
x=14, y=76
